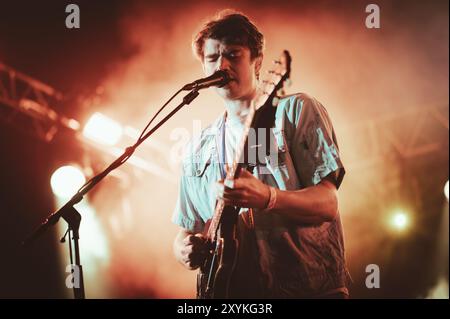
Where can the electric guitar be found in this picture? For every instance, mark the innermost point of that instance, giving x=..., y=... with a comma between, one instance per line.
x=213, y=279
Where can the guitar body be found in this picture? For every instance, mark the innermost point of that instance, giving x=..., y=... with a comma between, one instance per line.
x=213, y=279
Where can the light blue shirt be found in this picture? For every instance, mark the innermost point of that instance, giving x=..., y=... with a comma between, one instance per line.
x=301, y=122
x=304, y=150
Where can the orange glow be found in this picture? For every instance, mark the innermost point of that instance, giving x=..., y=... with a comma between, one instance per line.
x=361, y=76
x=102, y=129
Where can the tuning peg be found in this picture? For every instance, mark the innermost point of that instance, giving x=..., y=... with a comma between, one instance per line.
x=275, y=101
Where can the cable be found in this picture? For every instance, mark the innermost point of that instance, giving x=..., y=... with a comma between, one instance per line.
x=159, y=111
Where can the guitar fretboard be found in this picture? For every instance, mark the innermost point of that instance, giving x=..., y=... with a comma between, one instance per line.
x=231, y=173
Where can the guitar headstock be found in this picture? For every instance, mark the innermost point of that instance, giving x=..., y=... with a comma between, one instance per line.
x=277, y=78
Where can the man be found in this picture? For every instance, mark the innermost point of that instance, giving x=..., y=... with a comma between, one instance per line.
x=289, y=230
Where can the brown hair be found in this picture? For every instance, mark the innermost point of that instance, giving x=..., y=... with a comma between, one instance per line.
x=233, y=28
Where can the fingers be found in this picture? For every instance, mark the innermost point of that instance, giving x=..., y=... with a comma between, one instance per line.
x=238, y=203
x=190, y=253
x=222, y=190
x=194, y=251
x=234, y=194
x=193, y=260
x=244, y=173
x=238, y=191
x=196, y=240
x=194, y=263
x=231, y=195
x=228, y=185
x=235, y=197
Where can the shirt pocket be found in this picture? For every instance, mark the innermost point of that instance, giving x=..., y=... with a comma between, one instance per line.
x=200, y=177
x=195, y=166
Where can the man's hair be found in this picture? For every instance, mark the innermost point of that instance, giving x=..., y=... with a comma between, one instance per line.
x=230, y=27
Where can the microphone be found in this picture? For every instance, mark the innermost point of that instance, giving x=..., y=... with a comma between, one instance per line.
x=219, y=79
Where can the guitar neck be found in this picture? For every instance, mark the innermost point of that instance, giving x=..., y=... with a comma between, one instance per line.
x=232, y=172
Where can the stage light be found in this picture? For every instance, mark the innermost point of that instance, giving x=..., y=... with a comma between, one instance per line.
x=399, y=220
x=66, y=180
x=102, y=129
x=446, y=190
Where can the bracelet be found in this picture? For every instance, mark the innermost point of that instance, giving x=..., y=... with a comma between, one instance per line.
x=272, y=199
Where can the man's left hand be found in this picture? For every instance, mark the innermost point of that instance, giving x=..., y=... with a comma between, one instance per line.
x=247, y=191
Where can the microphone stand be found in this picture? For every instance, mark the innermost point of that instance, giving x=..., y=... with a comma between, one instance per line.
x=73, y=217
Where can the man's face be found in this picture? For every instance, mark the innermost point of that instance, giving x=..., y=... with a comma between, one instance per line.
x=236, y=60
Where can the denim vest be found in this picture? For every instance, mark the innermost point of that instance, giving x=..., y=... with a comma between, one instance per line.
x=277, y=258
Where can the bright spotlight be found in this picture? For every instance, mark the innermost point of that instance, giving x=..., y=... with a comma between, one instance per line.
x=399, y=220
x=446, y=190
x=102, y=129
x=66, y=180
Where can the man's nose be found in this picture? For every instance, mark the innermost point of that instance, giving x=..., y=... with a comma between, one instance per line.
x=223, y=63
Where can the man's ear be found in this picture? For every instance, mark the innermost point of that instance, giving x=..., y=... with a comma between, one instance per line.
x=258, y=65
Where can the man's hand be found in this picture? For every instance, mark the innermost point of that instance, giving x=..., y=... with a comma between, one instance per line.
x=247, y=191
x=190, y=249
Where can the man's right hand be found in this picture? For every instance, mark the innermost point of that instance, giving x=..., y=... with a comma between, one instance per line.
x=190, y=250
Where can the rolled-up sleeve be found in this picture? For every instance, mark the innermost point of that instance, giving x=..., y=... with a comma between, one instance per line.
x=314, y=145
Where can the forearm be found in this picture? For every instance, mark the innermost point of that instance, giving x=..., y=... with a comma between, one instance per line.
x=315, y=204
